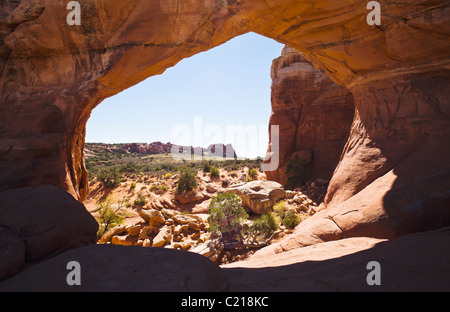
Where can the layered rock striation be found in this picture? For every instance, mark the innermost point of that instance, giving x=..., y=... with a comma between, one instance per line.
x=314, y=115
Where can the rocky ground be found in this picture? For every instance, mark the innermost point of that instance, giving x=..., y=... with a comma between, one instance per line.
x=153, y=215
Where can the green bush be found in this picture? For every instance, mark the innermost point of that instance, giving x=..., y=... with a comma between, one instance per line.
x=109, y=177
x=141, y=201
x=206, y=166
x=291, y=220
x=252, y=173
x=108, y=217
x=265, y=225
x=280, y=209
x=214, y=172
x=226, y=216
x=187, y=181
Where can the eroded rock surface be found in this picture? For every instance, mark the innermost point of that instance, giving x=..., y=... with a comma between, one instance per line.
x=414, y=262
x=109, y=268
x=314, y=115
x=39, y=222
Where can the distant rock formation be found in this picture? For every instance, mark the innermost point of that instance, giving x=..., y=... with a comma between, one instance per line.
x=217, y=150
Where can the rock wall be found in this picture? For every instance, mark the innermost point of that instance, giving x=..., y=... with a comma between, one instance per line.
x=394, y=170
x=314, y=115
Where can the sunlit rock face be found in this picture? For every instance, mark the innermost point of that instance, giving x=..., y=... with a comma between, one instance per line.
x=393, y=173
x=314, y=115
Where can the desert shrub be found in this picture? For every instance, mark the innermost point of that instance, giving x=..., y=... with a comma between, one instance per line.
x=226, y=215
x=109, y=177
x=163, y=188
x=280, y=209
x=132, y=186
x=297, y=172
x=206, y=166
x=168, y=167
x=187, y=180
x=291, y=220
x=167, y=176
x=154, y=188
x=214, y=172
x=252, y=173
x=141, y=201
x=265, y=225
x=108, y=216
x=129, y=167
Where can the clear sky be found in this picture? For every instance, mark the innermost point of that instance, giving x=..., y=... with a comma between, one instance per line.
x=218, y=96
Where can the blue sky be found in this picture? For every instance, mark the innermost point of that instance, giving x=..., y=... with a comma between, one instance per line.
x=211, y=96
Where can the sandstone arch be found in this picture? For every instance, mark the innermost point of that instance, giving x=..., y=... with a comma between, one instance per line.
x=393, y=176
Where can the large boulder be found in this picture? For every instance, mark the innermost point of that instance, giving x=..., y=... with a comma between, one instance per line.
x=258, y=196
x=153, y=217
x=112, y=268
x=415, y=262
x=12, y=253
x=188, y=197
x=164, y=236
x=39, y=222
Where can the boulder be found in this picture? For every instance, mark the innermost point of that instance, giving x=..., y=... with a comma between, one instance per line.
x=12, y=253
x=211, y=188
x=124, y=240
x=164, y=236
x=39, y=222
x=210, y=249
x=113, y=268
x=183, y=245
x=134, y=230
x=189, y=197
x=146, y=231
x=112, y=232
x=180, y=228
x=168, y=213
x=153, y=217
x=183, y=219
x=259, y=196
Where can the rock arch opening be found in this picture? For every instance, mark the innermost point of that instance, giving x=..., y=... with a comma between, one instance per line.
x=225, y=88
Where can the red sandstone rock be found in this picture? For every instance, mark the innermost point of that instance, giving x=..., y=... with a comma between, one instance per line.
x=40, y=222
x=394, y=169
x=314, y=115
